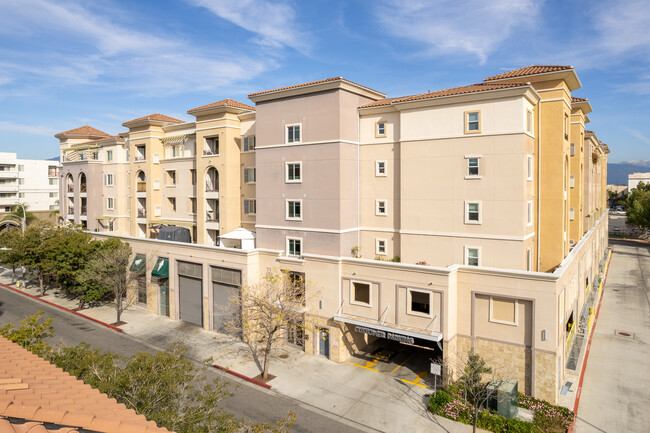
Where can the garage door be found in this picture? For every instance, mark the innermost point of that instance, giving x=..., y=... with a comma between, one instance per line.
x=190, y=290
x=226, y=284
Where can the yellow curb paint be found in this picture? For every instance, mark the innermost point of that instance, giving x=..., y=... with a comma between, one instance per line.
x=364, y=366
x=421, y=376
x=403, y=362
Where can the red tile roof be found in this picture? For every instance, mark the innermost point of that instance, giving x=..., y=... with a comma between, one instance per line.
x=155, y=117
x=588, y=131
x=529, y=70
x=472, y=88
x=84, y=130
x=311, y=83
x=576, y=99
x=38, y=397
x=223, y=103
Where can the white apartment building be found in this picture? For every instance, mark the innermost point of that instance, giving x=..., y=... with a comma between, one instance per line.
x=31, y=182
x=634, y=179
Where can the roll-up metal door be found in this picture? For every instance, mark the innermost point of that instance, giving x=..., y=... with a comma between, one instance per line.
x=190, y=291
x=226, y=284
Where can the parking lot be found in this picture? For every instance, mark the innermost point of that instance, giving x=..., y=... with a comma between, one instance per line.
x=409, y=364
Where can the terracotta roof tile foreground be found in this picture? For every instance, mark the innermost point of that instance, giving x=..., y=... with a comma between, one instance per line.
x=223, y=103
x=576, y=99
x=156, y=117
x=529, y=70
x=38, y=397
x=311, y=83
x=472, y=88
x=84, y=130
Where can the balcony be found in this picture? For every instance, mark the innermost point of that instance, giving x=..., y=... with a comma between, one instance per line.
x=8, y=187
x=84, y=210
x=211, y=216
x=8, y=174
x=142, y=213
x=142, y=186
x=70, y=189
x=8, y=201
x=70, y=210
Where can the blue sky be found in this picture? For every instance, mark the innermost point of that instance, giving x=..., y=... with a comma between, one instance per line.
x=64, y=64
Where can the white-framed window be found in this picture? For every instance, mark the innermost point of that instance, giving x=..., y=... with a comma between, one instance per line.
x=361, y=293
x=419, y=303
x=21, y=195
x=249, y=143
x=504, y=310
x=176, y=150
x=249, y=175
x=53, y=181
x=250, y=206
x=54, y=194
x=472, y=212
x=171, y=177
x=572, y=214
x=529, y=213
x=529, y=259
x=109, y=155
x=193, y=175
x=473, y=166
x=21, y=167
x=21, y=181
x=294, y=247
x=293, y=133
x=211, y=146
x=472, y=122
x=294, y=210
x=156, y=184
x=381, y=207
x=529, y=121
x=573, y=149
x=529, y=167
x=110, y=203
x=380, y=129
x=172, y=203
x=193, y=205
x=293, y=173
x=380, y=168
x=472, y=256
x=572, y=181
x=380, y=247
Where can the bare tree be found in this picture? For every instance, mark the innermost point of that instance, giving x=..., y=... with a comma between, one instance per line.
x=110, y=268
x=268, y=308
x=472, y=381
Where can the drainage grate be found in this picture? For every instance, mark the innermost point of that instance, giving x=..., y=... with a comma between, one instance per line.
x=624, y=334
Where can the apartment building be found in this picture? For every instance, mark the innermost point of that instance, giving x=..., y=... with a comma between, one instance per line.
x=472, y=217
x=30, y=182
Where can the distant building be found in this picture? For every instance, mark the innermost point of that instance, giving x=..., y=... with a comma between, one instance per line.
x=32, y=182
x=634, y=179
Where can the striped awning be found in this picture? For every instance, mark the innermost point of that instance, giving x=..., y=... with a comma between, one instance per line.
x=176, y=139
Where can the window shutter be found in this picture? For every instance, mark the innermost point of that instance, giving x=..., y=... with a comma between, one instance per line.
x=246, y=175
x=156, y=158
x=572, y=181
x=246, y=206
x=571, y=214
x=157, y=211
x=156, y=184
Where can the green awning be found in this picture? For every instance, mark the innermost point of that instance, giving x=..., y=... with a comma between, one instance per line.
x=138, y=264
x=161, y=269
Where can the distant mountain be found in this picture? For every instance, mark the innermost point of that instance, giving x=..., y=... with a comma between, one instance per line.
x=56, y=158
x=617, y=172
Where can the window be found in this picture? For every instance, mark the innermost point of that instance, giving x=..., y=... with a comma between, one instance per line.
x=111, y=226
x=380, y=130
x=21, y=195
x=529, y=121
x=294, y=172
x=172, y=204
x=171, y=177
x=566, y=126
x=192, y=205
x=193, y=176
x=175, y=150
x=472, y=212
x=571, y=214
x=250, y=207
x=472, y=122
x=293, y=134
x=54, y=194
x=21, y=167
x=380, y=168
x=504, y=311
x=140, y=153
x=249, y=143
x=53, y=181
x=109, y=155
x=249, y=175
x=21, y=181
x=380, y=207
x=360, y=293
x=419, y=302
x=52, y=171
x=529, y=168
x=211, y=146
x=529, y=259
x=294, y=247
x=572, y=181
x=54, y=207
x=471, y=256
x=294, y=210
x=573, y=149
x=110, y=203
x=472, y=166
x=380, y=247
x=530, y=213
x=108, y=179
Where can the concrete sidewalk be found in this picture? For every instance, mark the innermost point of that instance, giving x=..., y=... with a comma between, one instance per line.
x=376, y=400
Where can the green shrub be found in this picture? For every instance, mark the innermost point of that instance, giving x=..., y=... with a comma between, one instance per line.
x=439, y=400
x=488, y=420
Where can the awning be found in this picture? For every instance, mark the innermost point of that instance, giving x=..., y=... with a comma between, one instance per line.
x=138, y=264
x=239, y=234
x=391, y=331
x=161, y=268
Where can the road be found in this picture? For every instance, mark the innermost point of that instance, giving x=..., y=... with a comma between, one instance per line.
x=616, y=389
x=248, y=401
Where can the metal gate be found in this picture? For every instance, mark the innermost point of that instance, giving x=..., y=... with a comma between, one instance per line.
x=190, y=292
x=226, y=285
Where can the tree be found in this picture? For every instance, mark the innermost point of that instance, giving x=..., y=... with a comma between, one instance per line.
x=31, y=333
x=109, y=270
x=12, y=255
x=19, y=213
x=37, y=252
x=474, y=387
x=269, y=307
x=638, y=205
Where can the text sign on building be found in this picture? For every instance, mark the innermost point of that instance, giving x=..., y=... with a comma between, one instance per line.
x=386, y=335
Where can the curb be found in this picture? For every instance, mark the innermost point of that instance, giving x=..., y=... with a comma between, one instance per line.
x=115, y=328
x=584, y=362
x=241, y=376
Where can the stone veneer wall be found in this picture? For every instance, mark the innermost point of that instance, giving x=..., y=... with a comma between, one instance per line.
x=546, y=377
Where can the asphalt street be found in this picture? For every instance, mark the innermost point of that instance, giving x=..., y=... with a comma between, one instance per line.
x=248, y=401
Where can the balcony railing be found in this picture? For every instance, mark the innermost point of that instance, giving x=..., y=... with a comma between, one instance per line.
x=70, y=210
x=142, y=213
x=83, y=187
x=83, y=210
x=212, y=217
x=142, y=186
x=70, y=188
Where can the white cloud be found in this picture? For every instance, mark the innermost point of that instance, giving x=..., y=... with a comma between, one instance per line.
x=623, y=26
x=27, y=129
x=275, y=22
x=640, y=135
x=475, y=27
